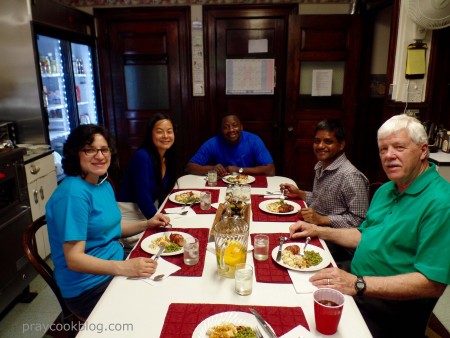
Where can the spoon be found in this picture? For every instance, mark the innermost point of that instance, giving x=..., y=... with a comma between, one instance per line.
x=177, y=213
x=158, y=278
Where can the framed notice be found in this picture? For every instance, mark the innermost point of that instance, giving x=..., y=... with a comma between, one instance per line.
x=250, y=76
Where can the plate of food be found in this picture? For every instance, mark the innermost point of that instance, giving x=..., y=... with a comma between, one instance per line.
x=173, y=240
x=185, y=197
x=279, y=207
x=239, y=178
x=228, y=324
x=315, y=258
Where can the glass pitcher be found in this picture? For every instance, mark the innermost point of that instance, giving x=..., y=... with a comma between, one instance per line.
x=231, y=239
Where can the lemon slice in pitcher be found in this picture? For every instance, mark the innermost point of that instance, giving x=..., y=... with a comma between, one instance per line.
x=234, y=253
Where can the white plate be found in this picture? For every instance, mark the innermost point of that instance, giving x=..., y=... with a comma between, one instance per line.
x=145, y=244
x=172, y=196
x=235, y=317
x=263, y=206
x=326, y=260
x=250, y=179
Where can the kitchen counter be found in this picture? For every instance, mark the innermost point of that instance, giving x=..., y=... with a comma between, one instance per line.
x=442, y=161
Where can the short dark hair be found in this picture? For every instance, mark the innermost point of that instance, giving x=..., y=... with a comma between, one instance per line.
x=332, y=125
x=80, y=137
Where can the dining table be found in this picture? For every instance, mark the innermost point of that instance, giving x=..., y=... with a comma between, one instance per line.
x=195, y=296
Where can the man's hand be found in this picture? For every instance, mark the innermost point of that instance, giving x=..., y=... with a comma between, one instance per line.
x=311, y=216
x=335, y=278
x=220, y=169
x=303, y=229
x=292, y=191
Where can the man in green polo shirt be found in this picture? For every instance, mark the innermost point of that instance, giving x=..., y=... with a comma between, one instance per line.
x=401, y=264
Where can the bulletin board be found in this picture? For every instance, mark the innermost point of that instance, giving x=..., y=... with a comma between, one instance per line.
x=250, y=76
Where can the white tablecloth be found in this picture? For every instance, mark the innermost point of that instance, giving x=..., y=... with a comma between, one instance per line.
x=133, y=308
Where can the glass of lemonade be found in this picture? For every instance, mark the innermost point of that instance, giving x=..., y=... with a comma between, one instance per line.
x=231, y=240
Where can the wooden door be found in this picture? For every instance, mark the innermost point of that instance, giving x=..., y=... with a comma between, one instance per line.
x=229, y=32
x=145, y=70
x=318, y=42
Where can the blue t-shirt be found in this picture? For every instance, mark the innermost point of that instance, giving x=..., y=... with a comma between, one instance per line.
x=249, y=152
x=140, y=183
x=81, y=211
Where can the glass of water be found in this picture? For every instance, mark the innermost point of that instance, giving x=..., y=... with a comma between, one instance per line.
x=261, y=247
x=212, y=178
x=190, y=251
x=243, y=277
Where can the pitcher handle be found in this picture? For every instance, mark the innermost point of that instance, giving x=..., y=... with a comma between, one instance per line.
x=222, y=256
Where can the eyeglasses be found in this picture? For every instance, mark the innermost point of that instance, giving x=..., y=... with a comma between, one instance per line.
x=94, y=151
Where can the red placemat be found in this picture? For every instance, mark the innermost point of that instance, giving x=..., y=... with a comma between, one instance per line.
x=186, y=270
x=269, y=271
x=195, y=207
x=261, y=216
x=182, y=318
x=260, y=182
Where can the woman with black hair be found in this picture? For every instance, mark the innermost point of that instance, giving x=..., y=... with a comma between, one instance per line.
x=85, y=223
x=151, y=172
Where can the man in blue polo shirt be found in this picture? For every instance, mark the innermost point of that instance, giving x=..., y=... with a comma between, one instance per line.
x=401, y=264
x=233, y=151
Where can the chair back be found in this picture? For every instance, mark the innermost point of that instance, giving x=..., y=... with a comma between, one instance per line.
x=373, y=187
x=31, y=251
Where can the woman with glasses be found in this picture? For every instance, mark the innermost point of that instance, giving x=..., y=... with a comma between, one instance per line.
x=84, y=223
x=151, y=172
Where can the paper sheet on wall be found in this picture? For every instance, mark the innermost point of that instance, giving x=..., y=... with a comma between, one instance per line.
x=250, y=77
x=321, y=82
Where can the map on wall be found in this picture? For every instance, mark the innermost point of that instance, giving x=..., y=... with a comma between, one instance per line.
x=250, y=76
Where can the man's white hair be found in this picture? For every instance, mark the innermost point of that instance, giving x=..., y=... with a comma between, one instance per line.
x=401, y=122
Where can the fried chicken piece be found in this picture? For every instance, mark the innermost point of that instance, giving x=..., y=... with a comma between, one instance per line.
x=295, y=249
x=285, y=208
x=177, y=239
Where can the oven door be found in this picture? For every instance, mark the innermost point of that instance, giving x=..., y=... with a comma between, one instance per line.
x=16, y=271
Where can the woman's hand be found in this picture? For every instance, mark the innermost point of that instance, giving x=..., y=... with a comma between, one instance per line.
x=335, y=278
x=159, y=220
x=139, y=267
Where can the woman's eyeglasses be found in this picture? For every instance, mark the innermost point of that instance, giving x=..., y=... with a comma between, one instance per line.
x=94, y=151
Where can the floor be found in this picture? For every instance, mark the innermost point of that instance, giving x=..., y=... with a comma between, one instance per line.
x=32, y=320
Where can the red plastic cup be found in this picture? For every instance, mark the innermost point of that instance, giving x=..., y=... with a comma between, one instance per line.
x=328, y=304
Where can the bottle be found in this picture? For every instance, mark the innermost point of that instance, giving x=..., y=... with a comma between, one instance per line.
x=45, y=96
x=446, y=143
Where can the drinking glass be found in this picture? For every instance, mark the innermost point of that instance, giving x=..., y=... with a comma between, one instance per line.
x=212, y=178
x=261, y=247
x=243, y=277
x=190, y=251
x=245, y=192
x=205, y=200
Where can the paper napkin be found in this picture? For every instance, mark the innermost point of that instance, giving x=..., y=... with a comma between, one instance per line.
x=301, y=282
x=164, y=267
x=298, y=331
x=189, y=210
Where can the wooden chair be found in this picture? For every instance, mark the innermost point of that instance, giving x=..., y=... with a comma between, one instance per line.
x=373, y=187
x=31, y=251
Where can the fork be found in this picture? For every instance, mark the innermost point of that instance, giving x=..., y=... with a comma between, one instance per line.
x=258, y=333
x=302, y=252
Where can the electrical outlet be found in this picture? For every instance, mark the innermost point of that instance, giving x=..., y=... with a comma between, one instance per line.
x=413, y=92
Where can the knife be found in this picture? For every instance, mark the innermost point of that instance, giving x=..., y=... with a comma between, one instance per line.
x=282, y=239
x=263, y=323
x=160, y=251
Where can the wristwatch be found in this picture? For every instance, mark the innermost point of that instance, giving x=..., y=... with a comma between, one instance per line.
x=360, y=286
x=241, y=170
